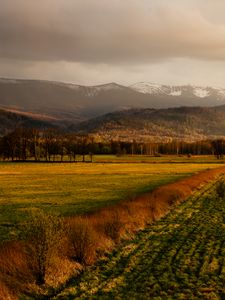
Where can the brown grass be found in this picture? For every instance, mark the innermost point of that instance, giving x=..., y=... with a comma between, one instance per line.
x=5, y=293
x=15, y=272
x=83, y=240
x=109, y=223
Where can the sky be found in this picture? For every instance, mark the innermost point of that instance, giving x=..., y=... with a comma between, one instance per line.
x=125, y=41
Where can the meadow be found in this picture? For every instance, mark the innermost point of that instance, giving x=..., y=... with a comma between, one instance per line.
x=181, y=256
x=79, y=188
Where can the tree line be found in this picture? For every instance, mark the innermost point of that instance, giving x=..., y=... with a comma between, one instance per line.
x=31, y=144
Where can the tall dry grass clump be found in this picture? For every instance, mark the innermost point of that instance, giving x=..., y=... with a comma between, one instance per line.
x=15, y=272
x=5, y=293
x=109, y=223
x=83, y=240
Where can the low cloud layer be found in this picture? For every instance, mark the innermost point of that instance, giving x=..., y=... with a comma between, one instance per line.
x=109, y=31
x=113, y=33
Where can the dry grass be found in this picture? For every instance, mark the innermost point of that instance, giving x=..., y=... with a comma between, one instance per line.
x=15, y=272
x=83, y=240
x=5, y=293
x=110, y=223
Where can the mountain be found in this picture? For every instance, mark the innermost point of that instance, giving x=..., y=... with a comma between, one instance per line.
x=183, y=123
x=73, y=103
x=70, y=103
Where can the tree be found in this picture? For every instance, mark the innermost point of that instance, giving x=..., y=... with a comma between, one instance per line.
x=35, y=144
x=11, y=144
x=48, y=140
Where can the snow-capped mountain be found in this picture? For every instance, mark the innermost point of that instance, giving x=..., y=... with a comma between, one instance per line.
x=185, y=90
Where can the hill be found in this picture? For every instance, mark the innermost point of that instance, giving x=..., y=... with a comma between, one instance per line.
x=11, y=120
x=183, y=123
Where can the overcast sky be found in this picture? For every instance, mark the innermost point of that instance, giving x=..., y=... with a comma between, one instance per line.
x=124, y=41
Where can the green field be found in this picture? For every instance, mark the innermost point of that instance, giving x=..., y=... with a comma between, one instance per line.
x=182, y=256
x=78, y=188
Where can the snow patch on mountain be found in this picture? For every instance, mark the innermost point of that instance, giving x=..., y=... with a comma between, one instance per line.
x=92, y=91
x=201, y=92
x=221, y=92
x=186, y=90
x=175, y=93
x=156, y=89
x=147, y=88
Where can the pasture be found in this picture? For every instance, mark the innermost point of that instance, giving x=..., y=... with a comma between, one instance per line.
x=80, y=188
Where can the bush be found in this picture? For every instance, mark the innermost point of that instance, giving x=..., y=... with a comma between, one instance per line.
x=44, y=235
x=82, y=240
x=220, y=188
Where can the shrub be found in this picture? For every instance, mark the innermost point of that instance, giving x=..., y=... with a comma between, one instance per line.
x=220, y=188
x=44, y=235
x=82, y=240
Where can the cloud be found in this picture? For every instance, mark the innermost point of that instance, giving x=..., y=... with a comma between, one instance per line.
x=107, y=32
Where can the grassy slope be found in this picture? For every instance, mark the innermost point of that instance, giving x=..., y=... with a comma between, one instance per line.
x=70, y=189
x=181, y=256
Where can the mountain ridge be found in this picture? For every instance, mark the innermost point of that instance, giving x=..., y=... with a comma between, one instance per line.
x=177, y=90
x=9, y=121
x=76, y=103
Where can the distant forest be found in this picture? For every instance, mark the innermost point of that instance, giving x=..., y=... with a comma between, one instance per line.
x=48, y=145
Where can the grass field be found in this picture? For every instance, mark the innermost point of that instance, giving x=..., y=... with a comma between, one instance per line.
x=108, y=158
x=69, y=189
x=182, y=256
x=160, y=159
